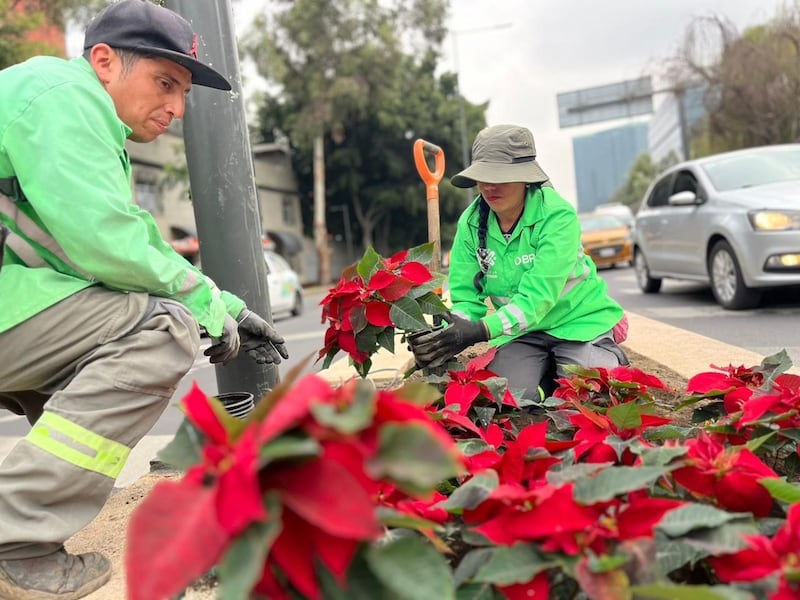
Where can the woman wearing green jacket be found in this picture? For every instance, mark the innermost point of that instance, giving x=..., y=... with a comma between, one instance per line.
x=517, y=248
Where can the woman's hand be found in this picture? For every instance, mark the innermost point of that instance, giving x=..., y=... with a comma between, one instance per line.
x=438, y=347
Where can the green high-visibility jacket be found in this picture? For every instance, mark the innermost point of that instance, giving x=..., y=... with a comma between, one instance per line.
x=538, y=280
x=77, y=225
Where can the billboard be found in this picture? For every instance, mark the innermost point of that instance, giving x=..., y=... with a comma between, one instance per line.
x=606, y=102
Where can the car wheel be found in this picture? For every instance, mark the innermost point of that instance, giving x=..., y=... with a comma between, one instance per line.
x=297, y=308
x=727, y=283
x=647, y=284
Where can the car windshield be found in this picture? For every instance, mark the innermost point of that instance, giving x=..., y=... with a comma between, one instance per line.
x=598, y=222
x=760, y=167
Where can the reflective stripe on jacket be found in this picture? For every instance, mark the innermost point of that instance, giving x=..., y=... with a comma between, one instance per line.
x=77, y=225
x=540, y=279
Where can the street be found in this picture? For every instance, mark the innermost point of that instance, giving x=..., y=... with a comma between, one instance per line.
x=691, y=306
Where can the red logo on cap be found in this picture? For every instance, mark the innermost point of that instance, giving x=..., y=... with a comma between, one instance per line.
x=193, y=51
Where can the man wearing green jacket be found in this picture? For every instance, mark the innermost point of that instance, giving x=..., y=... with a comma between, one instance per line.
x=98, y=315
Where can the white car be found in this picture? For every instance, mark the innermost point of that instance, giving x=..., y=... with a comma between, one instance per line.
x=285, y=291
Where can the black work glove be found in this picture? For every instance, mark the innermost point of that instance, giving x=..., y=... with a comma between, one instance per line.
x=226, y=346
x=438, y=347
x=261, y=342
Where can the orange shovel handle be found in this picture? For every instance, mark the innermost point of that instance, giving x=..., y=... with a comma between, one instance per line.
x=430, y=178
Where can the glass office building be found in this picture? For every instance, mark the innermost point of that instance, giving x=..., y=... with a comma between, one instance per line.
x=603, y=160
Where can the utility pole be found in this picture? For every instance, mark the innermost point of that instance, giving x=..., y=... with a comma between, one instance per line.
x=320, y=226
x=222, y=181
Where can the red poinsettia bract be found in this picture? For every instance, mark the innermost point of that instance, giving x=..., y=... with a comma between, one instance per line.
x=764, y=557
x=727, y=476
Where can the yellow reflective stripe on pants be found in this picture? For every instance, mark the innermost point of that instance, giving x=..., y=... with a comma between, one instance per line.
x=77, y=445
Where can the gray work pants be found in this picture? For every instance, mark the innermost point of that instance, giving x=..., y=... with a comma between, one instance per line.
x=101, y=363
x=537, y=358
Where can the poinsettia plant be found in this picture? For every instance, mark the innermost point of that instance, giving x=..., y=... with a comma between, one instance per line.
x=452, y=491
x=376, y=297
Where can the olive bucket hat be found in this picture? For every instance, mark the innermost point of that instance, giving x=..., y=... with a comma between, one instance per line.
x=145, y=27
x=502, y=154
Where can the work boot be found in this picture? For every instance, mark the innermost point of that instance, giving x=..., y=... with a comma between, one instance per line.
x=56, y=576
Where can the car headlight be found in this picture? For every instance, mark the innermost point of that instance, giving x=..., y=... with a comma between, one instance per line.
x=772, y=220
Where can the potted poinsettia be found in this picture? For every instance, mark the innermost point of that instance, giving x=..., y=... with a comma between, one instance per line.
x=374, y=299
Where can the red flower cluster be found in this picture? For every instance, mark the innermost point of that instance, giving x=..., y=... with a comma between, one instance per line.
x=306, y=477
x=373, y=298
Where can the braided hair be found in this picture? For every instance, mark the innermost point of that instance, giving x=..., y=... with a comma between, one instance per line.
x=483, y=227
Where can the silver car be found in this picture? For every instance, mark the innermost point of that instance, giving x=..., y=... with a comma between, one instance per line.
x=731, y=219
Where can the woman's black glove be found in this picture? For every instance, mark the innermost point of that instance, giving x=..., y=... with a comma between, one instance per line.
x=436, y=348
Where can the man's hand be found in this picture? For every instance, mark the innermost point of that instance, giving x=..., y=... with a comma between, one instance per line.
x=226, y=346
x=261, y=342
x=436, y=348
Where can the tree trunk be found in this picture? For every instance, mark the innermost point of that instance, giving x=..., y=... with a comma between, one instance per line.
x=320, y=228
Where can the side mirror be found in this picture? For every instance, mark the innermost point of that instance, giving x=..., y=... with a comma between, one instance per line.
x=683, y=199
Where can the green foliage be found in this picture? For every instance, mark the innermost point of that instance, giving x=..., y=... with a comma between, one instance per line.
x=751, y=86
x=19, y=20
x=363, y=74
x=641, y=174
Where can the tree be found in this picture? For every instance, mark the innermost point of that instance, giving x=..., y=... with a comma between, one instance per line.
x=642, y=173
x=752, y=80
x=20, y=19
x=359, y=77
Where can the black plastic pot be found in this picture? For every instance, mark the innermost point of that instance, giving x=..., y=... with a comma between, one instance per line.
x=237, y=404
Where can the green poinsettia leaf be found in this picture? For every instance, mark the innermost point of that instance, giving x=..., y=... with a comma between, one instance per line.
x=670, y=591
x=659, y=455
x=367, y=339
x=575, y=472
x=782, y=490
x=471, y=564
x=419, y=393
x=412, y=568
x=385, y=338
x=358, y=318
x=478, y=591
x=184, y=450
x=410, y=456
x=472, y=493
x=515, y=564
x=368, y=264
x=390, y=517
x=407, y=315
x=431, y=303
x=615, y=481
x=673, y=554
x=243, y=563
x=473, y=446
x=362, y=368
x=287, y=447
x=606, y=563
x=353, y=418
x=774, y=365
x=626, y=415
x=422, y=253
x=682, y=520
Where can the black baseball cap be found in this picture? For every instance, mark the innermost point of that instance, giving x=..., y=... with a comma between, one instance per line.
x=145, y=27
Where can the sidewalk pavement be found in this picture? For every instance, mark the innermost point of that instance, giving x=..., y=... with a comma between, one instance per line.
x=680, y=350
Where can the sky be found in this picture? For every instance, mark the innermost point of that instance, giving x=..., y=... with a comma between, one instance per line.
x=520, y=54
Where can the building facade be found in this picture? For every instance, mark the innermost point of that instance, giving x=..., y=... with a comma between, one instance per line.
x=672, y=123
x=160, y=186
x=603, y=160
